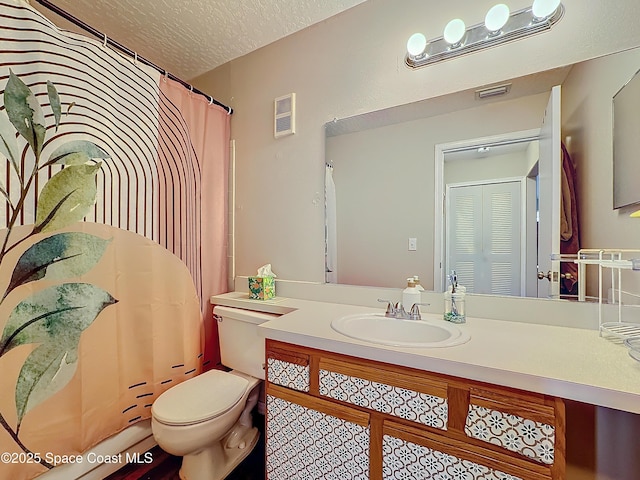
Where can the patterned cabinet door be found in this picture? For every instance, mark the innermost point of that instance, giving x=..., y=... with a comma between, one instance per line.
x=402, y=459
x=514, y=424
x=417, y=399
x=288, y=369
x=309, y=439
x=408, y=453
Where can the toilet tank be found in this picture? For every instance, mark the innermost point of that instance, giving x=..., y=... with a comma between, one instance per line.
x=241, y=348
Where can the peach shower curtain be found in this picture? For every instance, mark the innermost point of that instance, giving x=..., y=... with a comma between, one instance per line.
x=113, y=210
x=209, y=129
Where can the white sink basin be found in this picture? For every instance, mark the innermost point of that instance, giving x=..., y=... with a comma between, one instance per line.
x=376, y=328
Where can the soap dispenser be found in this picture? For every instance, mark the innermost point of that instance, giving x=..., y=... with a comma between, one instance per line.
x=416, y=280
x=410, y=295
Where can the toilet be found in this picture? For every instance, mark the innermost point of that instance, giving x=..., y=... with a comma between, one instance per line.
x=207, y=419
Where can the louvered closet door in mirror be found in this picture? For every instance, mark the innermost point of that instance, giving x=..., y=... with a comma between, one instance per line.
x=484, y=236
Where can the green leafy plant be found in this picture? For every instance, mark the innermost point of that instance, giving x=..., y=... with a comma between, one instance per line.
x=54, y=317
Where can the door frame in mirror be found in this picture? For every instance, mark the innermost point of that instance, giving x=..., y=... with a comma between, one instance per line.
x=439, y=188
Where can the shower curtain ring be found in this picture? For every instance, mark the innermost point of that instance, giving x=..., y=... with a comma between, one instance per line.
x=135, y=58
x=210, y=100
x=190, y=89
x=104, y=43
x=166, y=75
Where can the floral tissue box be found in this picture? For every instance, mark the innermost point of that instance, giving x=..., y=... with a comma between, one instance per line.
x=262, y=288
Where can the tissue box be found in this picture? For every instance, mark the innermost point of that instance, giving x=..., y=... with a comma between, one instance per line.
x=262, y=288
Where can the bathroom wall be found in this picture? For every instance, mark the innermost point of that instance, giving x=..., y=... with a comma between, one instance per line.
x=510, y=165
x=353, y=63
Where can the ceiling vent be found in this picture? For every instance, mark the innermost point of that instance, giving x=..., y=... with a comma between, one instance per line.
x=284, y=122
x=494, y=91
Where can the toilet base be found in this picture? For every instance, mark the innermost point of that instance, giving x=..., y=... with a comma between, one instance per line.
x=224, y=457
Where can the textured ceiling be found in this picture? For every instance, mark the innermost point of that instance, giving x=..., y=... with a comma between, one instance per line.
x=191, y=37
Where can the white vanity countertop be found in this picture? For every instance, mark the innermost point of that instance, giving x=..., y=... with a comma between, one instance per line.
x=571, y=363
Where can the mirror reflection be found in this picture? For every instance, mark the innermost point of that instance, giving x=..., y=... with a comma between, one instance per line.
x=490, y=215
x=625, y=143
x=386, y=170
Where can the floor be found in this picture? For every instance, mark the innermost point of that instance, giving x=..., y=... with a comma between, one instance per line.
x=166, y=467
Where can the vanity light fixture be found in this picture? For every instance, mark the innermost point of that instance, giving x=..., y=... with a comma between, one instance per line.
x=544, y=8
x=500, y=26
x=496, y=18
x=416, y=45
x=454, y=32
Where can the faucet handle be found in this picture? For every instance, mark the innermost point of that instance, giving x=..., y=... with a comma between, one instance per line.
x=414, y=313
x=391, y=309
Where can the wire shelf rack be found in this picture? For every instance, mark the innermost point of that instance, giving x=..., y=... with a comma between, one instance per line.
x=616, y=261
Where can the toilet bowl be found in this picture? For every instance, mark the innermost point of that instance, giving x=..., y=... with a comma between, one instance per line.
x=207, y=419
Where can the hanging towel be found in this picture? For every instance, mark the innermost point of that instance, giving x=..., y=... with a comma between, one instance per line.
x=569, y=231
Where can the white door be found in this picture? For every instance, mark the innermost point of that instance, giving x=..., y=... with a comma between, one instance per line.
x=484, y=237
x=549, y=199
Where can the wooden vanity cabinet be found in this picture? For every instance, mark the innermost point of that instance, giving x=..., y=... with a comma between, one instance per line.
x=336, y=416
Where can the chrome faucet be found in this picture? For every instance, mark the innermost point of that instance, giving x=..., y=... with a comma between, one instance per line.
x=397, y=310
x=414, y=313
x=391, y=308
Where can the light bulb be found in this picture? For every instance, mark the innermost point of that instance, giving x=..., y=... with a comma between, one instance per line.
x=497, y=17
x=416, y=44
x=454, y=31
x=544, y=8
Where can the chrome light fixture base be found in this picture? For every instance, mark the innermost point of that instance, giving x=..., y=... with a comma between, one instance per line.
x=520, y=24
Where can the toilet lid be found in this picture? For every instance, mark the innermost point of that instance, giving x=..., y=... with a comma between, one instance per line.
x=200, y=398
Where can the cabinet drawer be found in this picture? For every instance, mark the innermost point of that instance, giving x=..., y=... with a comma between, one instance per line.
x=410, y=453
x=288, y=369
x=406, y=396
x=308, y=438
x=515, y=424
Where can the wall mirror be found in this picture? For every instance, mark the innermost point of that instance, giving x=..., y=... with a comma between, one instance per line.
x=626, y=144
x=386, y=170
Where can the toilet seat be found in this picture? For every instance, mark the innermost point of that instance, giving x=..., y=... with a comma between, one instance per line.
x=200, y=398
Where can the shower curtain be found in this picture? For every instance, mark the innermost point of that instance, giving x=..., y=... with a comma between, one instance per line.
x=113, y=196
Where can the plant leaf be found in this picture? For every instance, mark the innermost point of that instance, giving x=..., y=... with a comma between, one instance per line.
x=54, y=101
x=59, y=256
x=66, y=198
x=83, y=150
x=54, y=317
x=74, y=158
x=25, y=112
x=8, y=143
x=45, y=372
x=57, y=314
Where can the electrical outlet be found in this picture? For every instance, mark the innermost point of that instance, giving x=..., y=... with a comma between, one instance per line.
x=413, y=244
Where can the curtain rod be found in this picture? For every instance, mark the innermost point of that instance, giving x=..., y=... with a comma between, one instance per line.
x=118, y=46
